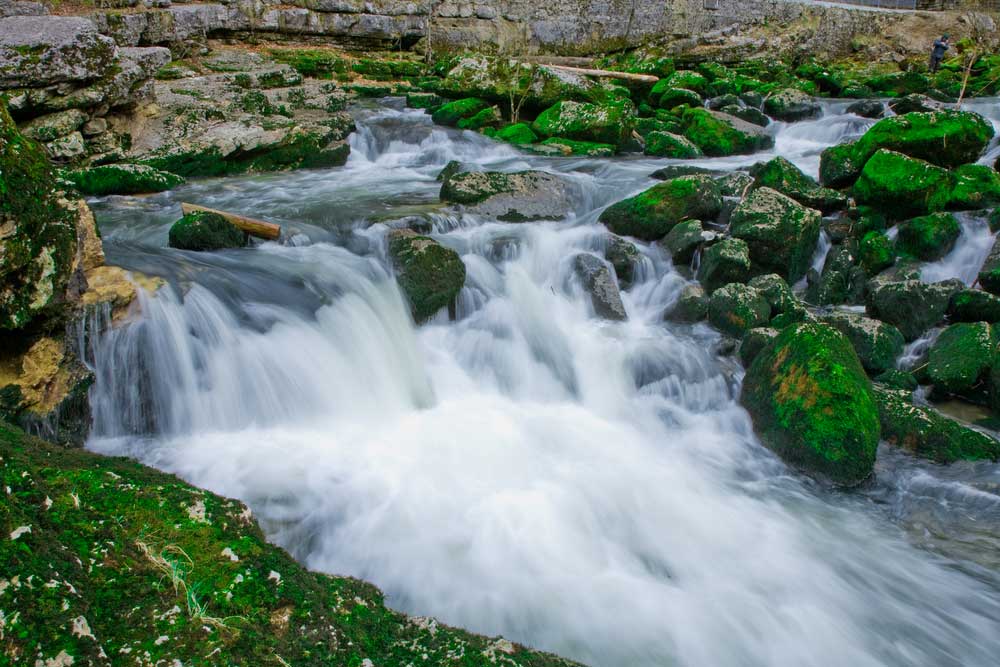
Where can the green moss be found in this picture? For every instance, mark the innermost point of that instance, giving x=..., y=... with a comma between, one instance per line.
x=945, y=138
x=377, y=70
x=665, y=144
x=960, y=358
x=899, y=83
x=718, y=137
x=878, y=344
x=973, y=305
x=812, y=404
x=666, y=97
x=687, y=79
x=316, y=63
x=486, y=118
x=736, y=308
x=518, y=133
x=430, y=275
x=928, y=237
x=429, y=101
x=875, y=252
x=781, y=175
x=839, y=166
x=654, y=212
x=896, y=379
x=926, y=433
x=586, y=148
x=780, y=232
x=609, y=123
x=903, y=186
x=452, y=112
x=976, y=186
x=727, y=261
x=121, y=180
x=205, y=231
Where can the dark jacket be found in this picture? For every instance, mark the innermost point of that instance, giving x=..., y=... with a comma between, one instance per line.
x=939, y=48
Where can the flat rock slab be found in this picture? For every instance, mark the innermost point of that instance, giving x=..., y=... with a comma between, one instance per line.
x=38, y=51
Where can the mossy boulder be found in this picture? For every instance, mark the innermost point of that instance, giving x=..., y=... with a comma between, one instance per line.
x=736, y=308
x=204, y=231
x=897, y=379
x=875, y=252
x=899, y=83
x=867, y=108
x=812, y=404
x=724, y=262
x=609, y=123
x=683, y=240
x=570, y=147
x=903, y=186
x=976, y=186
x=37, y=233
x=430, y=275
x=426, y=101
x=121, y=179
x=878, y=344
x=518, y=133
x=452, y=112
x=670, y=98
x=512, y=197
x=989, y=274
x=960, y=359
x=839, y=166
x=487, y=118
x=665, y=144
x=791, y=104
x=643, y=126
x=911, y=306
x=777, y=292
x=718, y=134
x=651, y=214
x=945, y=138
x=687, y=79
x=973, y=305
x=781, y=175
x=928, y=237
x=754, y=341
x=926, y=433
x=842, y=280
x=780, y=232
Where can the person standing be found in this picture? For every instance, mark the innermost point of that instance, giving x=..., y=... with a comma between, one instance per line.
x=937, y=53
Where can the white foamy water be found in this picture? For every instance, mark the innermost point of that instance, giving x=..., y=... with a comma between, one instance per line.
x=967, y=257
x=585, y=487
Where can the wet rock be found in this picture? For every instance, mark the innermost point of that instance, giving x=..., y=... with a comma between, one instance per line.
x=665, y=144
x=989, y=274
x=718, y=134
x=911, y=306
x=684, y=239
x=926, y=433
x=643, y=126
x=609, y=123
x=623, y=256
x=842, y=280
x=735, y=184
x=928, y=237
x=736, y=308
x=753, y=342
x=428, y=101
x=867, y=108
x=724, y=262
x=913, y=102
x=875, y=253
x=780, y=232
x=903, y=186
x=652, y=214
x=878, y=344
x=600, y=285
x=792, y=105
x=568, y=147
x=973, y=305
x=812, y=404
x=670, y=98
x=777, y=292
x=897, y=379
x=976, y=186
x=121, y=179
x=691, y=306
x=514, y=197
x=517, y=134
x=452, y=112
x=38, y=51
x=205, y=231
x=487, y=118
x=839, y=166
x=960, y=359
x=672, y=171
x=430, y=274
x=749, y=114
x=781, y=175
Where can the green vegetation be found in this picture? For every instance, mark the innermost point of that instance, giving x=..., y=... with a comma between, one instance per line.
x=780, y=232
x=430, y=275
x=201, y=230
x=651, y=214
x=121, y=179
x=903, y=186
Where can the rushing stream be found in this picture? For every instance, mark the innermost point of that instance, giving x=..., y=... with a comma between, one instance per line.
x=585, y=487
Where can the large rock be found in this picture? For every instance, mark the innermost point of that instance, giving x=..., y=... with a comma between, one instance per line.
x=959, y=361
x=903, y=186
x=684, y=239
x=121, y=179
x=780, y=232
x=781, y=175
x=839, y=166
x=718, y=134
x=600, y=285
x=430, y=274
x=911, y=306
x=37, y=233
x=878, y=344
x=727, y=261
x=791, y=105
x=37, y=51
x=777, y=292
x=608, y=123
x=666, y=144
x=624, y=257
x=514, y=197
x=842, y=280
x=976, y=186
x=812, y=404
x=926, y=433
x=973, y=305
x=654, y=212
x=928, y=237
x=691, y=306
x=204, y=231
x=454, y=112
x=735, y=308
x=989, y=274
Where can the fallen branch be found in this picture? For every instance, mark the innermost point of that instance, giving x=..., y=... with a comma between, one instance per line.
x=259, y=228
x=965, y=80
x=608, y=74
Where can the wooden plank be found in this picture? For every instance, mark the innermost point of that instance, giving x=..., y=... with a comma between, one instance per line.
x=258, y=228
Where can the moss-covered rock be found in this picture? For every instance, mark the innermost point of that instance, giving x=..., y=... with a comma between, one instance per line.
x=749, y=114
x=989, y=274
x=151, y=566
x=791, y=104
x=780, y=232
x=430, y=274
x=754, y=341
x=875, y=252
x=727, y=261
x=427, y=101
x=878, y=344
x=623, y=257
x=976, y=186
x=670, y=98
x=736, y=308
x=651, y=214
x=903, y=186
x=973, y=305
x=121, y=179
x=718, y=134
x=665, y=144
x=842, y=280
x=453, y=112
x=812, y=404
x=609, y=123
x=839, y=166
x=687, y=79
x=781, y=175
x=777, y=292
x=945, y=138
x=569, y=147
x=518, y=133
x=683, y=240
x=897, y=379
x=487, y=118
x=926, y=433
x=37, y=233
x=867, y=108
x=643, y=126
x=201, y=230
x=898, y=83
x=959, y=361
x=511, y=197
x=691, y=306
x=911, y=306
x=928, y=237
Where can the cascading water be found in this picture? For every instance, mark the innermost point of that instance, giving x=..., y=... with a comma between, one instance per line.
x=586, y=487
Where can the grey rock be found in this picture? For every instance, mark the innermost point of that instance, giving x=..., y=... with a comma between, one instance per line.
x=21, y=8
x=36, y=51
x=600, y=285
x=55, y=125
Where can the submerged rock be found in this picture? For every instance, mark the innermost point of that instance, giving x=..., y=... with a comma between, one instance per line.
x=512, y=197
x=121, y=179
x=201, y=231
x=654, y=212
x=600, y=285
x=430, y=274
x=812, y=404
x=780, y=232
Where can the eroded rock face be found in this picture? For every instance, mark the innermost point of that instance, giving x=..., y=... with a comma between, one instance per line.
x=45, y=50
x=600, y=284
x=511, y=197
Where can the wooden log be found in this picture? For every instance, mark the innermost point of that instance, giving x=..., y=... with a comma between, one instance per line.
x=565, y=61
x=258, y=228
x=608, y=74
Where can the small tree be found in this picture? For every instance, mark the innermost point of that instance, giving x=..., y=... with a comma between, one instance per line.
x=518, y=79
